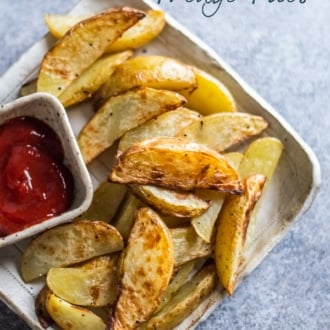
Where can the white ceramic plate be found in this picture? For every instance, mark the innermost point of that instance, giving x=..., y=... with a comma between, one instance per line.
x=290, y=194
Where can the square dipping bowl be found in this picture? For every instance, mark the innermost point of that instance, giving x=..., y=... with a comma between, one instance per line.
x=48, y=109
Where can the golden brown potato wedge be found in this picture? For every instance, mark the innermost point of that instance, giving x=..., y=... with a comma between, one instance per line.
x=106, y=200
x=188, y=245
x=146, y=270
x=71, y=317
x=174, y=164
x=93, y=283
x=69, y=244
x=149, y=71
x=135, y=37
x=223, y=130
x=171, y=202
x=92, y=78
x=168, y=124
x=231, y=231
x=186, y=300
x=81, y=46
x=210, y=96
x=122, y=113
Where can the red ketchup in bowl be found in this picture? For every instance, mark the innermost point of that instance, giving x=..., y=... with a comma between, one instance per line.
x=34, y=182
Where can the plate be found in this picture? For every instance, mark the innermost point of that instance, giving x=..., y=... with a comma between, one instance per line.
x=295, y=184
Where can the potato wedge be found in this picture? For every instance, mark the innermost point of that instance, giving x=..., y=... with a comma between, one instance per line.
x=177, y=281
x=171, y=202
x=106, y=200
x=231, y=230
x=41, y=310
x=210, y=96
x=135, y=37
x=122, y=113
x=223, y=130
x=94, y=283
x=204, y=223
x=92, y=78
x=59, y=25
x=28, y=88
x=71, y=317
x=185, y=301
x=168, y=124
x=68, y=244
x=146, y=269
x=174, y=164
x=124, y=220
x=147, y=71
x=140, y=33
x=81, y=46
x=188, y=245
x=261, y=156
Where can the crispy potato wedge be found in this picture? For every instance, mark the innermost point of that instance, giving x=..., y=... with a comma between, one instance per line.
x=175, y=164
x=146, y=269
x=171, y=202
x=81, y=46
x=147, y=71
x=168, y=124
x=106, y=200
x=204, y=223
x=69, y=244
x=124, y=220
x=210, y=96
x=186, y=300
x=223, y=130
x=231, y=231
x=92, y=78
x=135, y=37
x=188, y=245
x=41, y=310
x=71, y=317
x=122, y=113
x=94, y=283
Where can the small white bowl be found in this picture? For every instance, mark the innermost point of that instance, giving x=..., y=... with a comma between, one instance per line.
x=48, y=109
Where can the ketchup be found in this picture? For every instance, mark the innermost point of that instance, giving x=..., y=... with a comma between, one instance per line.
x=34, y=183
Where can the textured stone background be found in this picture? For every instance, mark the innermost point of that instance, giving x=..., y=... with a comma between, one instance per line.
x=282, y=50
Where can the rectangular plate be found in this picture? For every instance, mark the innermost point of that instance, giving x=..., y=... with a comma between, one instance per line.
x=289, y=195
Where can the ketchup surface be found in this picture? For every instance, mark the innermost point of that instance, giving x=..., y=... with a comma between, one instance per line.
x=34, y=183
